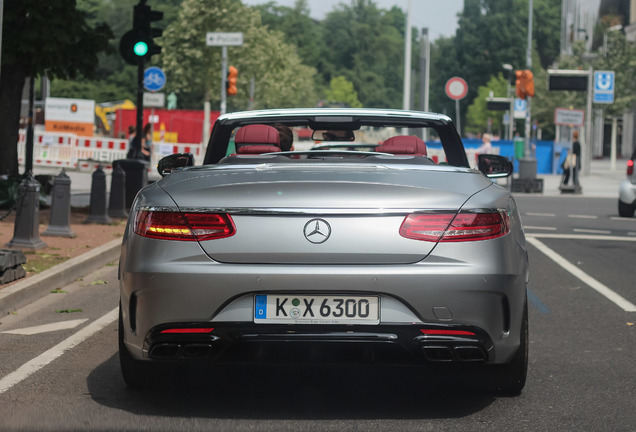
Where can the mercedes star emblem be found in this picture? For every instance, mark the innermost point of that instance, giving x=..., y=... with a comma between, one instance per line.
x=317, y=231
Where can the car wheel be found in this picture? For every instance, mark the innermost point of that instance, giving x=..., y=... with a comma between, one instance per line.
x=136, y=374
x=625, y=210
x=510, y=378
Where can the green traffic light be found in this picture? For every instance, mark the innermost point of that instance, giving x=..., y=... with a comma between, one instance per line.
x=140, y=48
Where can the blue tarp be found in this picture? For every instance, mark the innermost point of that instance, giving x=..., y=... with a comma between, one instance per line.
x=544, y=152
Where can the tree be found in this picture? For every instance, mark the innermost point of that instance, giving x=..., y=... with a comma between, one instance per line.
x=281, y=80
x=478, y=115
x=41, y=37
x=366, y=47
x=341, y=90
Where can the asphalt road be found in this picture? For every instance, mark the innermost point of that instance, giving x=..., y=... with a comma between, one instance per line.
x=582, y=351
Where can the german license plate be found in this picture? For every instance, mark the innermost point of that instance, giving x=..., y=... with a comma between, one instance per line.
x=296, y=309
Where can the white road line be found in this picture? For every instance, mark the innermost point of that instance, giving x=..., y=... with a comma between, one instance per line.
x=575, y=216
x=63, y=325
x=541, y=214
x=47, y=357
x=591, y=231
x=616, y=218
x=584, y=277
x=539, y=228
x=581, y=237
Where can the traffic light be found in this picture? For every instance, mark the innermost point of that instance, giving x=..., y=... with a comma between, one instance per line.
x=138, y=43
x=232, y=76
x=524, y=83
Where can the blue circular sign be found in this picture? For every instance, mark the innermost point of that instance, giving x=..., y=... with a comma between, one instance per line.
x=154, y=79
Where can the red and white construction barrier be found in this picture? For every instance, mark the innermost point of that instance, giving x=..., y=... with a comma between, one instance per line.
x=86, y=153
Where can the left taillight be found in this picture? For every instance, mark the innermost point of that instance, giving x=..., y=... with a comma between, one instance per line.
x=451, y=227
x=183, y=226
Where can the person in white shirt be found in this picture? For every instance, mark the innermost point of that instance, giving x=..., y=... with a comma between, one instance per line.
x=486, y=147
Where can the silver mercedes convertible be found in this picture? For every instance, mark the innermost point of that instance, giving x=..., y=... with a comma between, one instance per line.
x=327, y=235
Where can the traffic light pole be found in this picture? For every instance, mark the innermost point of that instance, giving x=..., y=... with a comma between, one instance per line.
x=140, y=110
x=224, y=79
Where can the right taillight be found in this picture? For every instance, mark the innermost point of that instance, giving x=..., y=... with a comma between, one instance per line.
x=630, y=167
x=451, y=227
x=184, y=226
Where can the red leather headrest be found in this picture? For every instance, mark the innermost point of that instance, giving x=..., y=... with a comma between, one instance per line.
x=403, y=145
x=257, y=134
x=257, y=149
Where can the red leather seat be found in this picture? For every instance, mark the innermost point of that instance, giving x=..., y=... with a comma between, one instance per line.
x=257, y=139
x=403, y=145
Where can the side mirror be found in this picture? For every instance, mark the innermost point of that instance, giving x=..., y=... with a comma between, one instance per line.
x=494, y=166
x=171, y=162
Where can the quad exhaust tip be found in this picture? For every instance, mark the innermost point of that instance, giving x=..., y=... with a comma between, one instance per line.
x=172, y=351
x=445, y=353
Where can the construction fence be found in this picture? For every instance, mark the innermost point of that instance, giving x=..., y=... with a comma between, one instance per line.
x=73, y=152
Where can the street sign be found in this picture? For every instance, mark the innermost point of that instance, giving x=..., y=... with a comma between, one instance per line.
x=521, y=106
x=604, y=87
x=456, y=88
x=154, y=100
x=604, y=81
x=603, y=98
x=224, y=39
x=569, y=117
x=154, y=79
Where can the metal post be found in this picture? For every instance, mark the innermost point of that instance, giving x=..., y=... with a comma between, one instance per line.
x=224, y=80
x=406, y=101
x=586, y=140
x=613, y=143
x=529, y=66
x=458, y=117
x=136, y=154
x=28, y=163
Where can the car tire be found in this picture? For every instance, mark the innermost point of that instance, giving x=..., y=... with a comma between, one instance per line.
x=625, y=210
x=510, y=378
x=136, y=374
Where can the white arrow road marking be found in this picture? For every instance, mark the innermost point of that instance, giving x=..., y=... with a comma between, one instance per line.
x=63, y=325
x=587, y=279
x=47, y=357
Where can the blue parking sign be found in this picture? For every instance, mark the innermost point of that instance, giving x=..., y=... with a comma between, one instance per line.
x=604, y=81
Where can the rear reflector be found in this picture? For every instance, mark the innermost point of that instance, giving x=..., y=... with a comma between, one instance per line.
x=448, y=227
x=630, y=167
x=183, y=226
x=188, y=330
x=447, y=332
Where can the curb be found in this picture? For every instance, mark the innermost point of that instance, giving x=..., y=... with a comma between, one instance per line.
x=27, y=291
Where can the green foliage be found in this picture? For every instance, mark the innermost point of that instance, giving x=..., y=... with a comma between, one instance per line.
x=281, y=80
x=478, y=115
x=341, y=90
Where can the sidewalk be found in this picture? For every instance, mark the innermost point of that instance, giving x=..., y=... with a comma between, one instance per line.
x=600, y=182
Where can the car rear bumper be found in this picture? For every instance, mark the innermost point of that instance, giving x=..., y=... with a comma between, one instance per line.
x=387, y=344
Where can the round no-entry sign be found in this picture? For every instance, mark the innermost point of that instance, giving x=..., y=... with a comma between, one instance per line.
x=456, y=88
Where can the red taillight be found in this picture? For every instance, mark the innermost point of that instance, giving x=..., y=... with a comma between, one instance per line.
x=183, y=226
x=630, y=167
x=188, y=330
x=447, y=332
x=449, y=227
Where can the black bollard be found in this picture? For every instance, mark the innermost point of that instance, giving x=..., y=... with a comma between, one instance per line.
x=136, y=177
x=117, y=198
x=60, y=219
x=27, y=217
x=97, y=212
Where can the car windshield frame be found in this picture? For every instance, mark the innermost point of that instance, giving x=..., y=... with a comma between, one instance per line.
x=338, y=118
